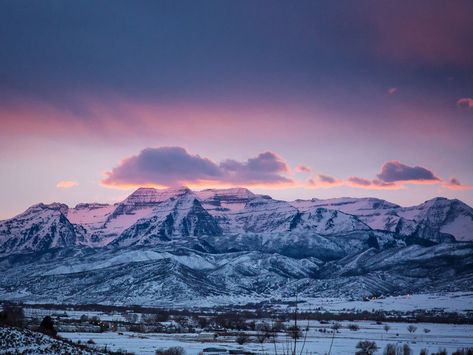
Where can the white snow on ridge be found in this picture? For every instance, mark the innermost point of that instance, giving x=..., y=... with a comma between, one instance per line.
x=192, y=261
x=460, y=228
x=91, y=216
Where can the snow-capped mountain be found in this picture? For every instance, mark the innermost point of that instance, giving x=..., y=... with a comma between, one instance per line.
x=181, y=215
x=435, y=220
x=178, y=244
x=40, y=227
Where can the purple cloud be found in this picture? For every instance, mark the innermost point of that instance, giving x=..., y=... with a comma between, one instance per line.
x=394, y=171
x=323, y=181
x=359, y=181
x=375, y=184
x=171, y=166
x=455, y=184
x=303, y=169
x=265, y=168
x=326, y=179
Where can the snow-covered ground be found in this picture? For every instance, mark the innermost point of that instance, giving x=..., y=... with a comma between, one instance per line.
x=446, y=336
x=23, y=341
x=460, y=302
x=448, y=302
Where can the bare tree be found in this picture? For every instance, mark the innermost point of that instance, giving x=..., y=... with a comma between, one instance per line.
x=335, y=327
x=412, y=328
x=366, y=347
x=263, y=332
x=242, y=338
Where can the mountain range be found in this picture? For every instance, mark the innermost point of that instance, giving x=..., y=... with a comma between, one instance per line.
x=178, y=245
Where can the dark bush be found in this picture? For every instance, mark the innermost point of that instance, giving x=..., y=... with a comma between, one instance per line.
x=47, y=326
x=12, y=315
x=390, y=349
x=174, y=350
x=406, y=349
x=463, y=351
x=366, y=347
x=353, y=327
x=294, y=332
x=242, y=338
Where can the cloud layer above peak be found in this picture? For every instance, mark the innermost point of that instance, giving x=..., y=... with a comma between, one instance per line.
x=174, y=166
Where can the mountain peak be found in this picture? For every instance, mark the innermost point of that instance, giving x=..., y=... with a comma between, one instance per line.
x=55, y=206
x=150, y=195
x=231, y=193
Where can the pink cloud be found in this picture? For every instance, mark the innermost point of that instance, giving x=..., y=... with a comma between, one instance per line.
x=171, y=166
x=303, y=169
x=394, y=175
x=66, y=184
x=455, y=184
x=324, y=181
x=374, y=184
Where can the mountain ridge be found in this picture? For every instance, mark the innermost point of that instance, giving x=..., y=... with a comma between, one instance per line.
x=232, y=242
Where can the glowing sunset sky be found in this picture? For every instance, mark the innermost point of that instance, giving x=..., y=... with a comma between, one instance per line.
x=296, y=99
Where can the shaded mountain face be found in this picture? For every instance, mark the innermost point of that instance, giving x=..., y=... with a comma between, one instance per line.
x=153, y=276
x=179, y=216
x=231, y=242
x=40, y=227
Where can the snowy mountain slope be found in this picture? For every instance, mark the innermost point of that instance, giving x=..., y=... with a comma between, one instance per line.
x=149, y=214
x=182, y=216
x=264, y=214
x=176, y=244
x=39, y=227
x=151, y=277
x=225, y=200
x=326, y=222
x=440, y=216
x=436, y=220
x=24, y=341
x=299, y=244
x=104, y=223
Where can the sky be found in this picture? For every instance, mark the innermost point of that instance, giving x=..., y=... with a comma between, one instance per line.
x=295, y=99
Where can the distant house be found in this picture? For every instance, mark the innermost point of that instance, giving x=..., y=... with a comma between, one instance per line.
x=215, y=351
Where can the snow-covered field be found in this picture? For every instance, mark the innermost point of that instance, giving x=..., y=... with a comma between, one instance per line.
x=319, y=336
x=446, y=336
x=448, y=302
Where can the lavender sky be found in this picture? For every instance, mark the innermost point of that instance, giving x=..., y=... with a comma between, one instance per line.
x=296, y=99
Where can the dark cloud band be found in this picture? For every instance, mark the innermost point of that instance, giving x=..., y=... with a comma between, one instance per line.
x=171, y=166
x=394, y=171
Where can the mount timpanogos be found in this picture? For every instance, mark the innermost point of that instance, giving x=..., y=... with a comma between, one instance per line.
x=178, y=245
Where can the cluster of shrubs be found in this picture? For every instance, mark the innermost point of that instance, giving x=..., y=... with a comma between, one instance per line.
x=14, y=316
x=174, y=350
x=367, y=347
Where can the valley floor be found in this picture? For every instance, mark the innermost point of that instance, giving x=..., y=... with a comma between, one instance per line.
x=441, y=336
